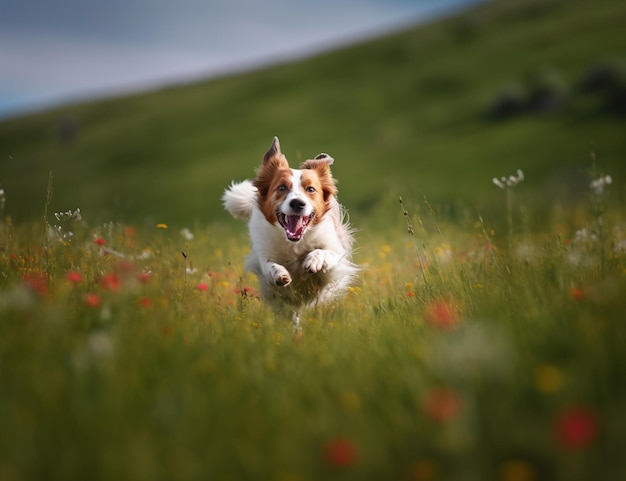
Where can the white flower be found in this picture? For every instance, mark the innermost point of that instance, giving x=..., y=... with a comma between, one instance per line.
x=187, y=234
x=69, y=215
x=499, y=183
x=510, y=181
x=597, y=185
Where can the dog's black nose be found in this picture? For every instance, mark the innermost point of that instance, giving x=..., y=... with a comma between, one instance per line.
x=297, y=204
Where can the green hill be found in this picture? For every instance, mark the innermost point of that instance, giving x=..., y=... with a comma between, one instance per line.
x=415, y=113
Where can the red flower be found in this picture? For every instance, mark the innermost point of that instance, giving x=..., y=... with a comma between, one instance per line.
x=441, y=314
x=442, y=405
x=111, y=282
x=74, y=277
x=577, y=294
x=340, y=453
x=144, y=277
x=37, y=282
x=93, y=300
x=202, y=286
x=576, y=427
x=100, y=241
x=145, y=302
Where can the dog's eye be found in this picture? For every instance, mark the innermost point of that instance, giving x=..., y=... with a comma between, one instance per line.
x=281, y=188
x=310, y=189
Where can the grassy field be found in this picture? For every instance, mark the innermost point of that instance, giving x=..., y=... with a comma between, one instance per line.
x=484, y=340
x=145, y=353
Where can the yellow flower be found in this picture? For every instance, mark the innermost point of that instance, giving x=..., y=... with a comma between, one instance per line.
x=161, y=226
x=548, y=378
x=516, y=470
x=350, y=400
x=384, y=251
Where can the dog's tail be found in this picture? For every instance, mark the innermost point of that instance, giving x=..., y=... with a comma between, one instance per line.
x=240, y=198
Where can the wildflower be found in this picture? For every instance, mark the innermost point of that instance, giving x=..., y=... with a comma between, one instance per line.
x=74, y=277
x=37, y=282
x=548, y=378
x=576, y=427
x=246, y=291
x=442, y=405
x=191, y=271
x=441, y=314
x=409, y=293
x=187, y=234
x=100, y=241
x=350, y=400
x=577, y=294
x=130, y=231
x=510, y=181
x=69, y=215
x=202, y=286
x=597, y=185
x=516, y=470
x=111, y=282
x=161, y=226
x=93, y=300
x=144, y=277
x=145, y=302
x=340, y=453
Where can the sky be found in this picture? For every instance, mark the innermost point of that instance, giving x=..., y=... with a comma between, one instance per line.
x=58, y=51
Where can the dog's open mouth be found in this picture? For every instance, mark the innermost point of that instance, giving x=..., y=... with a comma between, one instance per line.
x=294, y=225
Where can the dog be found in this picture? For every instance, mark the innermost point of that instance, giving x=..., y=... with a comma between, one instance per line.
x=301, y=241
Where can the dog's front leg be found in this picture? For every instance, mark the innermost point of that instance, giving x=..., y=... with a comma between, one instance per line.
x=276, y=274
x=320, y=260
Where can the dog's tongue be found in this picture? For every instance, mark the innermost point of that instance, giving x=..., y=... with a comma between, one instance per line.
x=294, y=226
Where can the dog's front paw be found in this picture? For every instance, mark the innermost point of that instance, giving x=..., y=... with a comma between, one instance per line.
x=315, y=261
x=279, y=275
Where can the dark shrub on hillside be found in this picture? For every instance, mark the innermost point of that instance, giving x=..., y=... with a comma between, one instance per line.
x=608, y=77
x=616, y=97
x=548, y=92
x=604, y=76
x=510, y=101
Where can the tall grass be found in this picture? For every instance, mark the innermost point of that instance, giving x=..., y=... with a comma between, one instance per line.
x=464, y=353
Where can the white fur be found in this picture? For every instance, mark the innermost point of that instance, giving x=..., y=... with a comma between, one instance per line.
x=316, y=269
x=240, y=199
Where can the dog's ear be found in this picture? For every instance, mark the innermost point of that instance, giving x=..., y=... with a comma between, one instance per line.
x=321, y=163
x=320, y=160
x=274, y=155
x=273, y=161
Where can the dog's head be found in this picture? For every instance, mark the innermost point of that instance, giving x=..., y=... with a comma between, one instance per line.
x=295, y=199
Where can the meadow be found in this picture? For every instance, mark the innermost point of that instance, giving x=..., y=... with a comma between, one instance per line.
x=484, y=340
x=465, y=351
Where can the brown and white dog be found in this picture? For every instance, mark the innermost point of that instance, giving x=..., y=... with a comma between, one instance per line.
x=301, y=241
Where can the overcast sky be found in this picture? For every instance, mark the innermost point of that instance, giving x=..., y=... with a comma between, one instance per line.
x=54, y=51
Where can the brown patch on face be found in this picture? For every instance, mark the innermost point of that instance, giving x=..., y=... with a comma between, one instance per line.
x=274, y=173
x=318, y=185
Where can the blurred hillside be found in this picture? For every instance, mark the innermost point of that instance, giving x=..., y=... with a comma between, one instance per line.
x=435, y=111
